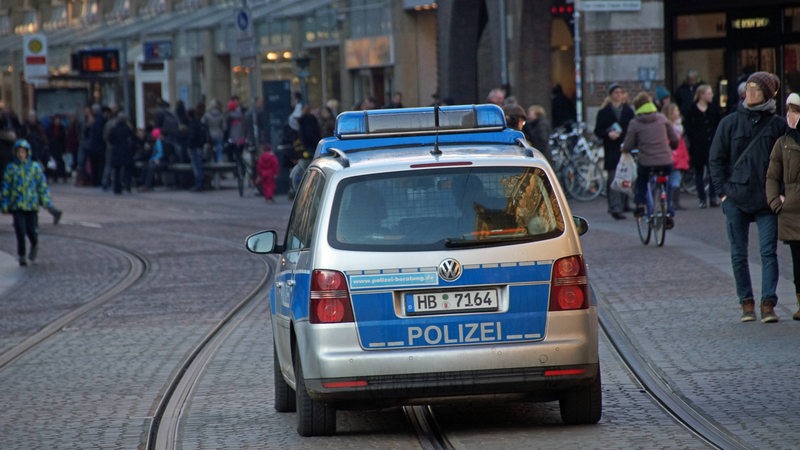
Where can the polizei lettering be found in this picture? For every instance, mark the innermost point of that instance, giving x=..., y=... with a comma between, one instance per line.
x=462, y=333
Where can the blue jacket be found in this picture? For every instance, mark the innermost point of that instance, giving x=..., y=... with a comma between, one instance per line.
x=24, y=187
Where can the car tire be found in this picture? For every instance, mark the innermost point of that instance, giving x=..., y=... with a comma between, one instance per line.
x=314, y=418
x=582, y=406
x=285, y=400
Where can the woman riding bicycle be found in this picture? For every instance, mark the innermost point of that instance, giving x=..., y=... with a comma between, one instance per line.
x=655, y=138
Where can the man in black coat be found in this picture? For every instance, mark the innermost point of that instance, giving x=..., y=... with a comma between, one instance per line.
x=611, y=126
x=738, y=161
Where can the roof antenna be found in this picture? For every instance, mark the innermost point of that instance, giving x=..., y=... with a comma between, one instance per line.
x=436, y=151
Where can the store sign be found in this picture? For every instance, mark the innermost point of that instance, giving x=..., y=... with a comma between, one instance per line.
x=608, y=5
x=750, y=23
x=35, y=57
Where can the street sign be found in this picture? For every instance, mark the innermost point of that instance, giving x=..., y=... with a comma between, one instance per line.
x=608, y=5
x=35, y=57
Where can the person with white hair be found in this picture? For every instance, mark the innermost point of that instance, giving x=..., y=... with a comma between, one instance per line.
x=784, y=171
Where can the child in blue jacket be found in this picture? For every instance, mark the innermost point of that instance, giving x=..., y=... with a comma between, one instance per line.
x=24, y=191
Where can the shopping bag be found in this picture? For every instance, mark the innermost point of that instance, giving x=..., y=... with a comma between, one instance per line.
x=625, y=174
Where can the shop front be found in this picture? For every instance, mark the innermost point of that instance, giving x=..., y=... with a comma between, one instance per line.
x=726, y=41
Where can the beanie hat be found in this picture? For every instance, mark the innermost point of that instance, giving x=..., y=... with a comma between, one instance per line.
x=661, y=93
x=613, y=86
x=767, y=82
x=156, y=133
x=793, y=99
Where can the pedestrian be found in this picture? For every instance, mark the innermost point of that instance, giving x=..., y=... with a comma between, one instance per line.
x=256, y=123
x=680, y=156
x=515, y=117
x=214, y=120
x=537, y=129
x=24, y=191
x=738, y=159
x=57, y=138
x=562, y=107
x=122, y=141
x=662, y=98
x=496, y=96
x=96, y=149
x=611, y=125
x=700, y=122
x=267, y=168
x=157, y=162
x=685, y=92
x=646, y=133
x=397, y=100
x=783, y=175
x=327, y=121
x=196, y=144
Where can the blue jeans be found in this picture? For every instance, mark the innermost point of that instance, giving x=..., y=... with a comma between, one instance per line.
x=643, y=177
x=738, y=225
x=196, y=157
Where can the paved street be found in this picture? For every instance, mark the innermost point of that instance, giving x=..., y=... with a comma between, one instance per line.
x=96, y=384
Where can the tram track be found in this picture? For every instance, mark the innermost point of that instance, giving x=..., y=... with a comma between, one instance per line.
x=432, y=437
x=138, y=267
x=164, y=430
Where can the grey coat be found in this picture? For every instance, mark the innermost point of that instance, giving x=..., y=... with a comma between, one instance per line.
x=783, y=178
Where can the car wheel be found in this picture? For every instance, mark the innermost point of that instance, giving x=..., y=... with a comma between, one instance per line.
x=314, y=418
x=284, y=394
x=582, y=405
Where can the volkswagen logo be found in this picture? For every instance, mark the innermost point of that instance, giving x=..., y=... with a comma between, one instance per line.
x=449, y=269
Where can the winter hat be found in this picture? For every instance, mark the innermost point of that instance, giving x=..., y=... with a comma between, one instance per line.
x=156, y=133
x=661, y=93
x=613, y=86
x=793, y=99
x=231, y=105
x=767, y=82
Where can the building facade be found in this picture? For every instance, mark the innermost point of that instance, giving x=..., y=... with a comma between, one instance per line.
x=349, y=50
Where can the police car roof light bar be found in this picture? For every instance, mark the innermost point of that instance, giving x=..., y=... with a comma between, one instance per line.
x=422, y=120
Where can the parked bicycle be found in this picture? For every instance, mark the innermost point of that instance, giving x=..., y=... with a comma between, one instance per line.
x=577, y=161
x=244, y=155
x=655, y=220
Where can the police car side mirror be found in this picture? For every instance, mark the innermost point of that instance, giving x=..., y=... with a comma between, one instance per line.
x=263, y=242
x=581, y=225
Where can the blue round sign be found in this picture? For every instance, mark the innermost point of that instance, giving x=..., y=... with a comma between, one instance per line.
x=242, y=20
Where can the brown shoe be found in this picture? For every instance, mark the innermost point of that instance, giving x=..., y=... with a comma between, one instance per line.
x=748, y=310
x=768, y=313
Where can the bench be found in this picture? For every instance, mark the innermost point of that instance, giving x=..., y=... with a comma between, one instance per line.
x=215, y=169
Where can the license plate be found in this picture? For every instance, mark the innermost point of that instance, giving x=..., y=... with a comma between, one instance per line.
x=451, y=301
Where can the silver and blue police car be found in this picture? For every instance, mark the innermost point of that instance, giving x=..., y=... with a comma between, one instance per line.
x=430, y=255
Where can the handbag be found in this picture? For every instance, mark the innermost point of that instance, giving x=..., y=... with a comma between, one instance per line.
x=625, y=174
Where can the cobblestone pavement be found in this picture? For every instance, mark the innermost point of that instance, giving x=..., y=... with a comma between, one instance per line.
x=97, y=384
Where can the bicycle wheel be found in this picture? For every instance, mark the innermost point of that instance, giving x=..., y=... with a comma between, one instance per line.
x=643, y=226
x=660, y=215
x=585, y=179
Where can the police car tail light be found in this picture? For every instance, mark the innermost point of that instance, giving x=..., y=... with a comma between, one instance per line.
x=330, y=299
x=568, y=288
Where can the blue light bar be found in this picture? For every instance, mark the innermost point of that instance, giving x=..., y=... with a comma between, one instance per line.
x=423, y=120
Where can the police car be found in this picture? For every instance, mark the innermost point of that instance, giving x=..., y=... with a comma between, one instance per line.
x=430, y=255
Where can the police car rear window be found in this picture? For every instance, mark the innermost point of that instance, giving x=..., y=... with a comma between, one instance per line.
x=444, y=208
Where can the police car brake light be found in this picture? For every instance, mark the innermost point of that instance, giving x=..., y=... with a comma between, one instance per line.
x=422, y=120
x=329, y=298
x=568, y=286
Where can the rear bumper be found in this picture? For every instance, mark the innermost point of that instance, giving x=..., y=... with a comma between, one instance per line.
x=538, y=383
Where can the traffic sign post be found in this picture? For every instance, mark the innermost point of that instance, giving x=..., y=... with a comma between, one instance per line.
x=35, y=58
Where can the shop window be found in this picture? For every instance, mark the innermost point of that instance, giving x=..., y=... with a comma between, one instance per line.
x=791, y=68
x=5, y=25
x=30, y=23
x=791, y=20
x=710, y=67
x=700, y=26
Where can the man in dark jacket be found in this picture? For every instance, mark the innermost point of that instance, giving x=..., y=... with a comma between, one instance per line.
x=738, y=173
x=611, y=126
